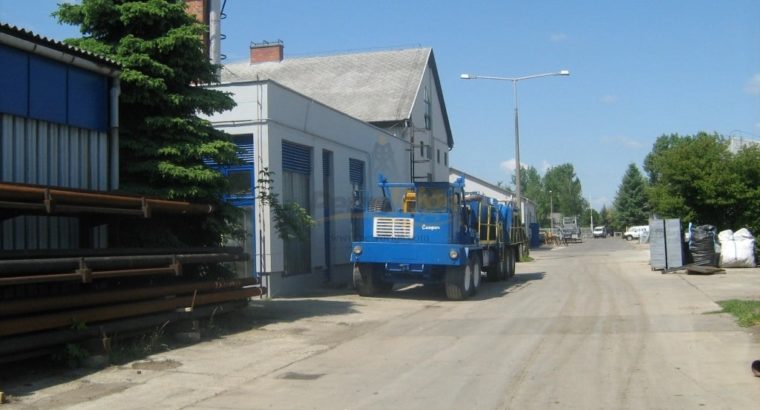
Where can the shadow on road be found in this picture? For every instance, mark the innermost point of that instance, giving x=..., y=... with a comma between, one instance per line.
x=488, y=290
x=261, y=312
x=491, y=290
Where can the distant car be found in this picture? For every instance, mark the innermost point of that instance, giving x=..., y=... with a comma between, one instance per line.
x=635, y=232
x=600, y=232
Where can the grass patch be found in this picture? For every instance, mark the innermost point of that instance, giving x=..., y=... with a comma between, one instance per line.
x=747, y=312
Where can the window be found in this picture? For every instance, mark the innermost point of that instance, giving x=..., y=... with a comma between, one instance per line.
x=356, y=177
x=428, y=109
x=431, y=199
x=296, y=188
x=438, y=155
x=446, y=158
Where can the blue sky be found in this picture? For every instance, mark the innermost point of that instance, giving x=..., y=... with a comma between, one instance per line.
x=639, y=69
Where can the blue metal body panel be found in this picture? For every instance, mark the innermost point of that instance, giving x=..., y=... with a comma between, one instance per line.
x=411, y=253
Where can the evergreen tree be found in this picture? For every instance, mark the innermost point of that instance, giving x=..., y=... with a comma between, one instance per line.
x=631, y=204
x=163, y=143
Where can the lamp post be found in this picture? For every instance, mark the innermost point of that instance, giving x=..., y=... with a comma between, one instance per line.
x=514, y=81
x=551, y=210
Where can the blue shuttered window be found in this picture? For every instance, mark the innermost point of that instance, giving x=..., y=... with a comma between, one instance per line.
x=356, y=171
x=296, y=158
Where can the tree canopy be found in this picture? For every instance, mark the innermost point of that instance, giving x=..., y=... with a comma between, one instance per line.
x=559, y=188
x=163, y=143
x=697, y=179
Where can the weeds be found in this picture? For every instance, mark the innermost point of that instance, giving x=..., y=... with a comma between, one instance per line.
x=747, y=312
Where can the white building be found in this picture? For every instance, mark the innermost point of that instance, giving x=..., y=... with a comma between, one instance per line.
x=328, y=127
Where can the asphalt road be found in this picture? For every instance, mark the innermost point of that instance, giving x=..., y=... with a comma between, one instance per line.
x=583, y=327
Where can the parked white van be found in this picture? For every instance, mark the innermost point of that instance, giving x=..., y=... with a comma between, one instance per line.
x=635, y=232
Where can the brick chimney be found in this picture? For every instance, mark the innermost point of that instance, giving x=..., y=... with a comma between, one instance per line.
x=266, y=51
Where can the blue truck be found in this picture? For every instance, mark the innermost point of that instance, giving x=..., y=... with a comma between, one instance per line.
x=434, y=233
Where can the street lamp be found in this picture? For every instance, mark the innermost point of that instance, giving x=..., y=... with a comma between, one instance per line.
x=514, y=81
x=551, y=210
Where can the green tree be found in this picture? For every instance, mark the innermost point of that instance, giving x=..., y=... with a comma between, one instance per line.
x=566, y=190
x=606, y=218
x=163, y=143
x=697, y=179
x=533, y=189
x=631, y=203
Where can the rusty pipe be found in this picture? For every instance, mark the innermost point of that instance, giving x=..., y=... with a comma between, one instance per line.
x=32, y=305
x=99, y=314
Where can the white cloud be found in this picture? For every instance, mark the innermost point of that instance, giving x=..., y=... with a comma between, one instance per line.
x=558, y=37
x=753, y=85
x=508, y=166
x=545, y=165
x=610, y=99
x=624, y=141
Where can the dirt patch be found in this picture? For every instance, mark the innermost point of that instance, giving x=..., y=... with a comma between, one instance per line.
x=156, y=365
x=85, y=392
x=301, y=376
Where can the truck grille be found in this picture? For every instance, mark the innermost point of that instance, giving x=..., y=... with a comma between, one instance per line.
x=393, y=228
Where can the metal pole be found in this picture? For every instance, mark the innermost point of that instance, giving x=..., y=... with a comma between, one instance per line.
x=517, y=157
x=551, y=209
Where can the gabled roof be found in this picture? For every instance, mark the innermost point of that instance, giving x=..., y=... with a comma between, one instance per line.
x=27, y=35
x=376, y=87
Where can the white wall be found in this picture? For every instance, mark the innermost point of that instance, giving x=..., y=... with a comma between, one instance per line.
x=273, y=113
x=435, y=137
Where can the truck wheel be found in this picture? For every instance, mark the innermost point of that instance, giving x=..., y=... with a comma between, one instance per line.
x=493, y=270
x=511, y=257
x=475, y=267
x=458, y=282
x=504, y=263
x=366, y=279
x=381, y=204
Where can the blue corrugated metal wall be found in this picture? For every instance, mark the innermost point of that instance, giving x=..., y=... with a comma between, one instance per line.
x=44, y=89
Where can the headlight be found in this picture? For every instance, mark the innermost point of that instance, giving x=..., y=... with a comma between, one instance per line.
x=357, y=250
x=453, y=254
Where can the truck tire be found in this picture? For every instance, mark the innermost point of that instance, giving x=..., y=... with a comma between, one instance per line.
x=367, y=280
x=510, y=263
x=493, y=270
x=458, y=282
x=504, y=263
x=475, y=267
x=381, y=204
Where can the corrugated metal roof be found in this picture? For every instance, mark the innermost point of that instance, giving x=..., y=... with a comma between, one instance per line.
x=375, y=86
x=54, y=44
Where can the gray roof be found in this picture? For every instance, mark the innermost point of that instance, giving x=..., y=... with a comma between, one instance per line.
x=24, y=34
x=373, y=87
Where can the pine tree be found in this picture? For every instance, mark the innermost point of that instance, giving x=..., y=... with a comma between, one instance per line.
x=163, y=143
x=631, y=203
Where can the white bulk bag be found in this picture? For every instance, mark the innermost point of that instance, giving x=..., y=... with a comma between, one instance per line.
x=737, y=249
